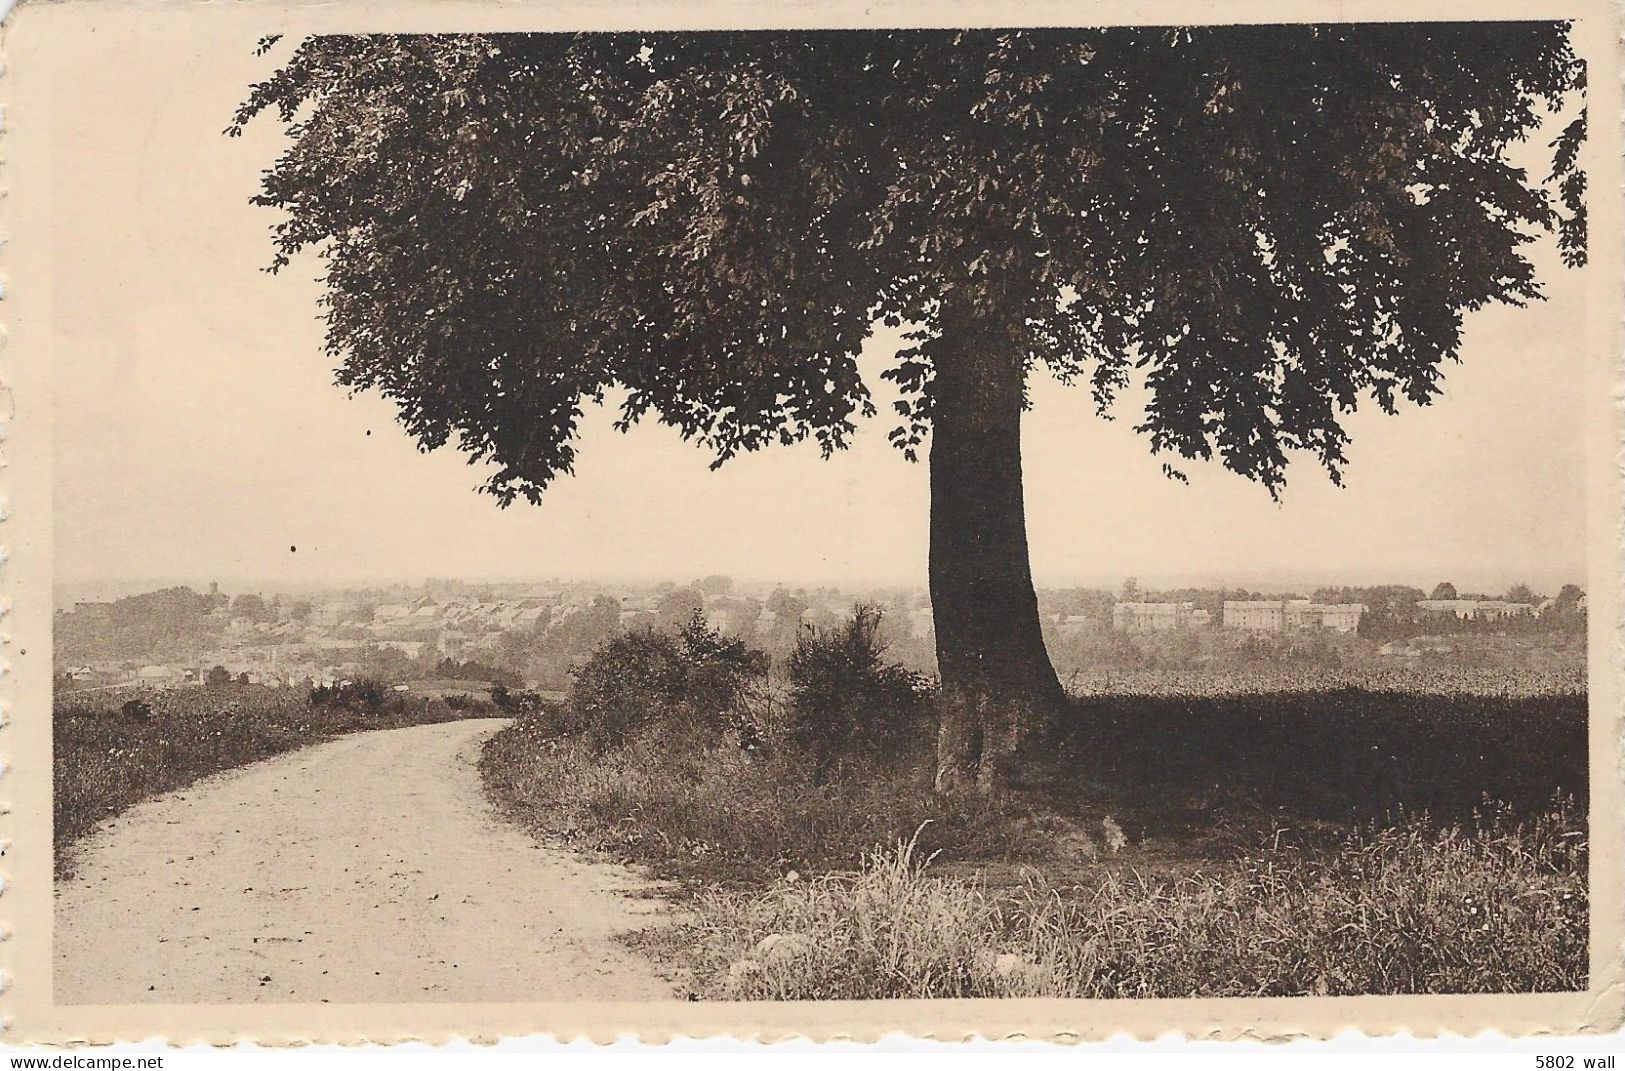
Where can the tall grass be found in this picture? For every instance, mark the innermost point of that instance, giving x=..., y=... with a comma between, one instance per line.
x=1406, y=909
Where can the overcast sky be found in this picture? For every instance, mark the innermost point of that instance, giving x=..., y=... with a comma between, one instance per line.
x=199, y=434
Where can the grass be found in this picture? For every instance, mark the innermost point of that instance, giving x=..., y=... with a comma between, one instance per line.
x=105, y=760
x=1406, y=909
x=717, y=815
x=1337, y=841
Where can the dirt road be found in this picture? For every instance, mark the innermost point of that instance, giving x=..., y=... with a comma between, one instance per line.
x=365, y=869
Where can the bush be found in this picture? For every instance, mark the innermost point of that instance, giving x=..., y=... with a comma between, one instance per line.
x=694, y=683
x=364, y=694
x=1409, y=909
x=846, y=703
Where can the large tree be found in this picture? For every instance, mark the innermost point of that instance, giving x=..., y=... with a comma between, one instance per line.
x=1261, y=225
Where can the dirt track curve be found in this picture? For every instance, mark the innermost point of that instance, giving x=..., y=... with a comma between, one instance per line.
x=369, y=868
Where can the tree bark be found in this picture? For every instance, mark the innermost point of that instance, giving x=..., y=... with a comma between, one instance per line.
x=997, y=681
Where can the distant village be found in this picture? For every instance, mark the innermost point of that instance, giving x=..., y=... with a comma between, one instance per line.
x=534, y=634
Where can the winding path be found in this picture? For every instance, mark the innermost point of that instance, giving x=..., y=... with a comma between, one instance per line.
x=368, y=868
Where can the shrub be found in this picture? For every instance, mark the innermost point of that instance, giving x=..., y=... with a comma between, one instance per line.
x=695, y=682
x=363, y=694
x=846, y=702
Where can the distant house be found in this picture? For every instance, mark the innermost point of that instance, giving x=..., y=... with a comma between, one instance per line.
x=1150, y=616
x=452, y=642
x=157, y=676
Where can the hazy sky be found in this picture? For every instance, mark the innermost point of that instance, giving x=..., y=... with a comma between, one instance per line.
x=199, y=435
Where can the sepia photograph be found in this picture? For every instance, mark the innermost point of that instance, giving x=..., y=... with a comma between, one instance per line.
x=725, y=516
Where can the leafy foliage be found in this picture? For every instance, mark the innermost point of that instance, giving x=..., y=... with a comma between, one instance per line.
x=695, y=681
x=152, y=625
x=1265, y=225
x=846, y=701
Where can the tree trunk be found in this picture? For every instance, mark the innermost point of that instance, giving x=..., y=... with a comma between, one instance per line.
x=997, y=681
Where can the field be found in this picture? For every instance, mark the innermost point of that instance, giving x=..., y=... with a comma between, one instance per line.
x=1306, y=836
x=105, y=759
x=1540, y=673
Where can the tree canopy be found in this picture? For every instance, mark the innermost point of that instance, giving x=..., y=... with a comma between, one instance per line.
x=1264, y=225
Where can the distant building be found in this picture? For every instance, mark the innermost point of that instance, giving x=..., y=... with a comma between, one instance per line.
x=1301, y=614
x=1477, y=609
x=1342, y=616
x=1254, y=616
x=1293, y=615
x=157, y=676
x=1150, y=616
